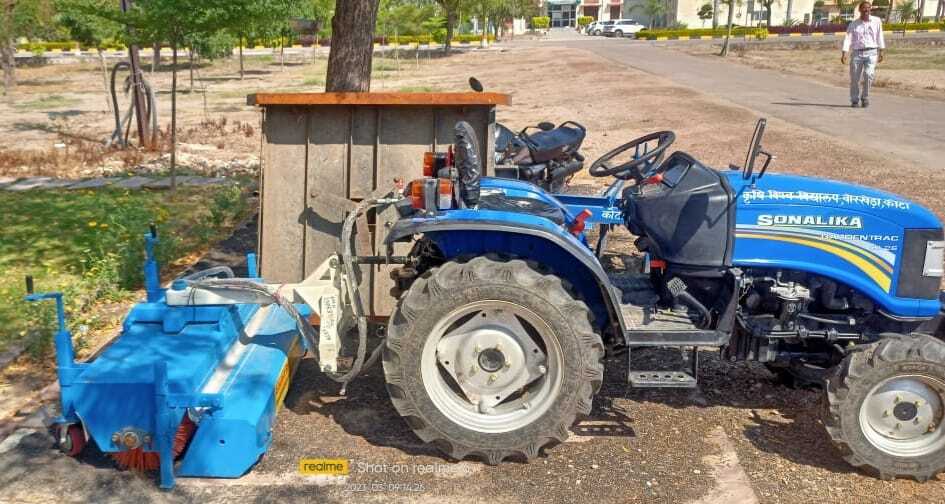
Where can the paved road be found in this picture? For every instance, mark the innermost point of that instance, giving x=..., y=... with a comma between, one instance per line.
x=910, y=128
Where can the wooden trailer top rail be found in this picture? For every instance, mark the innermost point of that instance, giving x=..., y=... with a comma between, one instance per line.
x=394, y=99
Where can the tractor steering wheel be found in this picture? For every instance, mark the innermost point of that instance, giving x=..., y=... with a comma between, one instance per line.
x=643, y=165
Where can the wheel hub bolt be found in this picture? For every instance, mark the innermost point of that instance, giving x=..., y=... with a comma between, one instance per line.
x=542, y=369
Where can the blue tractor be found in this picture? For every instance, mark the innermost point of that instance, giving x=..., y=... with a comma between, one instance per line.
x=505, y=313
x=505, y=310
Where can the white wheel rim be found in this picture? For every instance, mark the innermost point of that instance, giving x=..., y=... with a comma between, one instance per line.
x=903, y=415
x=513, y=412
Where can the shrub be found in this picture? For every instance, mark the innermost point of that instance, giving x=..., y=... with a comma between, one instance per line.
x=584, y=21
x=541, y=22
x=741, y=31
x=437, y=37
x=842, y=27
x=43, y=47
x=914, y=26
x=802, y=28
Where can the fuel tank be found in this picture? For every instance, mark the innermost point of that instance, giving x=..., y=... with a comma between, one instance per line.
x=886, y=246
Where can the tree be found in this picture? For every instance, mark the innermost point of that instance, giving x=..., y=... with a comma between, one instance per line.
x=654, y=9
x=705, y=13
x=265, y=19
x=404, y=17
x=352, y=45
x=451, y=8
x=906, y=10
x=768, y=5
x=502, y=11
x=90, y=30
x=21, y=18
x=715, y=14
x=8, y=31
x=730, y=4
x=174, y=21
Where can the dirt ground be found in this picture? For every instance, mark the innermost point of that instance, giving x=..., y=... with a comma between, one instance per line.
x=911, y=68
x=742, y=437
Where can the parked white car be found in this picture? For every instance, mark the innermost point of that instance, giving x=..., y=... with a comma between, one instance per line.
x=597, y=27
x=622, y=28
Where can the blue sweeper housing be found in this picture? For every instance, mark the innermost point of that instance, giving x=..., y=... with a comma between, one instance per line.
x=200, y=384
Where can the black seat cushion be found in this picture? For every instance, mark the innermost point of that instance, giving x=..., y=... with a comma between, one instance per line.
x=545, y=144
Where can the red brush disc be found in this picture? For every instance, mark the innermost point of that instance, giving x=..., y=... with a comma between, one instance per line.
x=140, y=460
x=76, y=442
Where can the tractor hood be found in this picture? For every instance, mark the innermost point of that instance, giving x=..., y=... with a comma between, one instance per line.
x=852, y=202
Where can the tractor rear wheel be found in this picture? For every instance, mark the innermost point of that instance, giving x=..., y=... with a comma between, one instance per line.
x=491, y=358
x=886, y=406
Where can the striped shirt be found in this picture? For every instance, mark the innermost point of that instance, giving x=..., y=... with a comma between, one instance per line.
x=864, y=35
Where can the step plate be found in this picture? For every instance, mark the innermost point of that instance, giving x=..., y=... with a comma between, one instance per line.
x=662, y=379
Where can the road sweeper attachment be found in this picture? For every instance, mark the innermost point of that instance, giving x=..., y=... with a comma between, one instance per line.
x=193, y=383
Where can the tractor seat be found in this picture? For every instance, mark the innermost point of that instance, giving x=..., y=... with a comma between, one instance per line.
x=500, y=202
x=548, y=143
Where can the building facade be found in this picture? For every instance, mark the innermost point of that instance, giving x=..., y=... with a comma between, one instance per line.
x=564, y=13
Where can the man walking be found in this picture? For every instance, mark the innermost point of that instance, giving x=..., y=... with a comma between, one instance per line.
x=865, y=38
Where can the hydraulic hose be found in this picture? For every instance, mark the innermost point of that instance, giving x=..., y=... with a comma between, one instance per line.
x=150, y=112
x=352, y=281
x=347, y=260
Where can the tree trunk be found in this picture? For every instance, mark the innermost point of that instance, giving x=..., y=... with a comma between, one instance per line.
x=484, y=33
x=788, y=12
x=352, y=46
x=8, y=61
x=768, y=16
x=282, y=52
x=715, y=14
x=191, y=64
x=889, y=10
x=241, y=56
x=728, y=32
x=450, y=23
x=8, y=46
x=101, y=60
x=174, y=116
x=155, y=57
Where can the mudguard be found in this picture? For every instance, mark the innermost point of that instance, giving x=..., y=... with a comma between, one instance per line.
x=478, y=232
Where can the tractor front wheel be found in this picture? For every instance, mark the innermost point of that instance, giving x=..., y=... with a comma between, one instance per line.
x=491, y=358
x=886, y=406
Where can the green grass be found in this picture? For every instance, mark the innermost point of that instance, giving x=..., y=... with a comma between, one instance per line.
x=419, y=89
x=914, y=58
x=317, y=80
x=89, y=244
x=47, y=102
x=381, y=65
